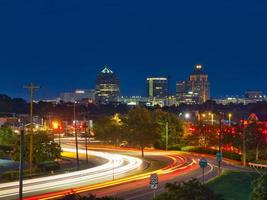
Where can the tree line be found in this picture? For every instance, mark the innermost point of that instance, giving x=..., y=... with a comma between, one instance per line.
x=140, y=128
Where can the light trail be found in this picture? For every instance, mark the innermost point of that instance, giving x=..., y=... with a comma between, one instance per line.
x=178, y=165
x=116, y=166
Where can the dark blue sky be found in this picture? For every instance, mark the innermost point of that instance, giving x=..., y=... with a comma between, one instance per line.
x=62, y=45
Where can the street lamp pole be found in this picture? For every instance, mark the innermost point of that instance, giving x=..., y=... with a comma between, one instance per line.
x=76, y=138
x=244, y=143
x=86, y=144
x=220, y=141
x=59, y=139
x=21, y=164
x=167, y=134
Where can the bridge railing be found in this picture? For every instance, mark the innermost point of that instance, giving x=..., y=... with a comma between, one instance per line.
x=257, y=165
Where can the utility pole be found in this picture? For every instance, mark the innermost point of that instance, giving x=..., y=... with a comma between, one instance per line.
x=32, y=88
x=76, y=137
x=167, y=134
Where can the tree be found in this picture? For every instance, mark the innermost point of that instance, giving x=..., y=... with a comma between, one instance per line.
x=175, y=127
x=259, y=191
x=255, y=138
x=7, y=136
x=44, y=148
x=109, y=128
x=142, y=130
x=192, y=190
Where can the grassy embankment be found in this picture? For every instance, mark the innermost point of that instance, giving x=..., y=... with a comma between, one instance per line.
x=233, y=185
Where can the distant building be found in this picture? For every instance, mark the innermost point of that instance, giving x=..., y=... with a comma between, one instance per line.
x=133, y=100
x=253, y=96
x=184, y=93
x=107, y=87
x=196, y=89
x=228, y=100
x=158, y=87
x=78, y=95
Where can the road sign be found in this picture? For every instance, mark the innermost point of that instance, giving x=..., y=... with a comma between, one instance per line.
x=154, y=181
x=203, y=163
x=219, y=156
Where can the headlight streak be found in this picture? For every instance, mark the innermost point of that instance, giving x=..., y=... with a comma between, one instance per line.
x=117, y=164
x=95, y=178
x=175, y=166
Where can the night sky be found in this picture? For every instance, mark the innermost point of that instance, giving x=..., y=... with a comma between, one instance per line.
x=62, y=45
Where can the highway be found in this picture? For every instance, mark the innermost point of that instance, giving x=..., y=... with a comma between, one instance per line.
x=123, y=175
x=116, y=166
x=140, y=190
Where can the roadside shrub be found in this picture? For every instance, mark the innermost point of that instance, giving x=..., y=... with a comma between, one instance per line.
x=49, y=166
x=259, y=189
x=6, y=148
x=14, y=175
x=176, y=147
x=226, y=154
x=191, y=190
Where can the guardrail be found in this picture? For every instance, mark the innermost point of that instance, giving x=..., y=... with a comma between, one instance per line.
x=257, y=165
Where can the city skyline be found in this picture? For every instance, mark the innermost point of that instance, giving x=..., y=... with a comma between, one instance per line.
x=61, y=46
x=133, y=100
x=172, y=87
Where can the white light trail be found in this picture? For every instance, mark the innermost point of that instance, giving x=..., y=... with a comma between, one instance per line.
x=116, y=166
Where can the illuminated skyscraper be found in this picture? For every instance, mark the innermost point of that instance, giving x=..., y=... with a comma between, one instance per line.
x=199, y=84
x=107, y=87
x=196, y=90
x=157, y=87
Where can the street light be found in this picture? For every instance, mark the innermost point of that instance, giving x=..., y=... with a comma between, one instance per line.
x=212, y=118
x=56, y=126
x=167, y=134
x=230, y=118
x=75, y=133
x=187, y=116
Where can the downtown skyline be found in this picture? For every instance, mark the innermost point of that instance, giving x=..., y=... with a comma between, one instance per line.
x=63, y=45
x=43, y=92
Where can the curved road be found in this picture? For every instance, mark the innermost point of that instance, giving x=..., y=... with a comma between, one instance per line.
x=116, y=166
x=99, y=180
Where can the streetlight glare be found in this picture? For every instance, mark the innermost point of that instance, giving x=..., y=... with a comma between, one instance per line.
x=55, y=124
x=187, y=115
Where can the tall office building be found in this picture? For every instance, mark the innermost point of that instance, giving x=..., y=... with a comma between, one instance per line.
x=158, y=87
x=107, y=87
x=184, y=93
x=200, y=84
x=196, y=90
